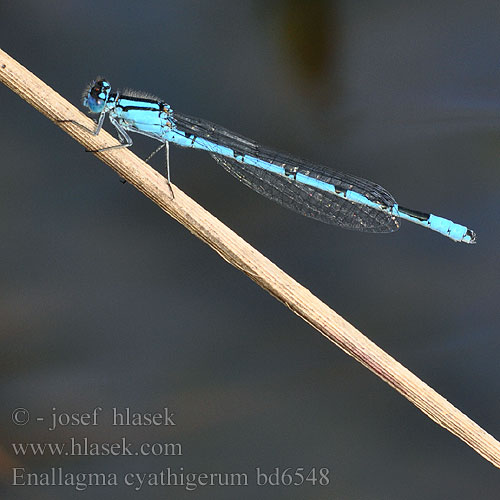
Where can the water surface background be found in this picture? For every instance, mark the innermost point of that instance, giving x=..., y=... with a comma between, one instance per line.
x=106, y=301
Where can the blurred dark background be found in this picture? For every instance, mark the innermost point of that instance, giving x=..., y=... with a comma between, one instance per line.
x=106, y=301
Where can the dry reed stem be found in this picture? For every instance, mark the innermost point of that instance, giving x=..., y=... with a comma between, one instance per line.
x=244, y=257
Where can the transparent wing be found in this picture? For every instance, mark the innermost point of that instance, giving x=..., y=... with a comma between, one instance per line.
x=301, y=198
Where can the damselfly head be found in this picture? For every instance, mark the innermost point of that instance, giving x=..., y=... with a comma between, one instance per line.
x=96, y=95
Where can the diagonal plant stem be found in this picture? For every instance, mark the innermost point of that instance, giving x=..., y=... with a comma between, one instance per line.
x=241, y=255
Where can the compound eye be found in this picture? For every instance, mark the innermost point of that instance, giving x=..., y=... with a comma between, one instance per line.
x=100, y=89
x=97, y=96
x=95, y=91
